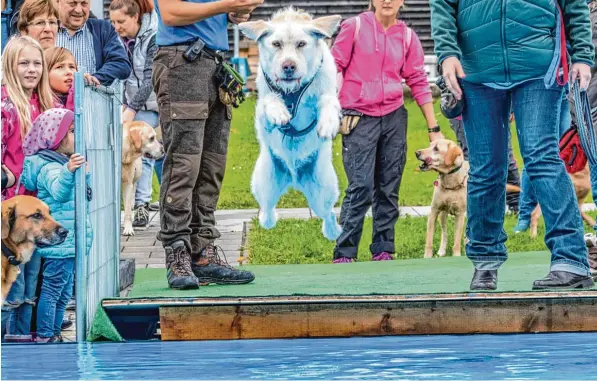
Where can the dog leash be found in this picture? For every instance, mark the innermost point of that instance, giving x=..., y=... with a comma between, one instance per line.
x=12, y=259
x=584, y=123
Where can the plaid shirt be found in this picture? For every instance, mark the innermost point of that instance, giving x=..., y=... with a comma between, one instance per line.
x=81, y=45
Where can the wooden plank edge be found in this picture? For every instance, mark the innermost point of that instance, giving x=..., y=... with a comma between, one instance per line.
x=283, y=321
x=166, y=301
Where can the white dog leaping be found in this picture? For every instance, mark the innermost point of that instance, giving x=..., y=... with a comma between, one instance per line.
x=297, y=114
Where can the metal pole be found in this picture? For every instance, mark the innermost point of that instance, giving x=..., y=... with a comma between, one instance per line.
x=80, y=215
x=236, y=41
x=117, y=147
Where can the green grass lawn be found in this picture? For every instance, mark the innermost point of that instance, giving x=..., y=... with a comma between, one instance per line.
x=295, y=241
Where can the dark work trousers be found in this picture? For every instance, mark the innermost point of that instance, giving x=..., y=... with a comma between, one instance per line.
x=374, y=154
x=513, y=174
x=195, y=127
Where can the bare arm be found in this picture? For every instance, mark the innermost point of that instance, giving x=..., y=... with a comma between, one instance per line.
x=179, y=13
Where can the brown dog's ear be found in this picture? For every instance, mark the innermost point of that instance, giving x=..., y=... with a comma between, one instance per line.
x=8, y=218
x=135, y=137
x=453, y=156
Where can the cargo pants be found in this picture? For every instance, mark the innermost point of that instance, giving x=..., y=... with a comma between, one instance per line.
x=195, y=128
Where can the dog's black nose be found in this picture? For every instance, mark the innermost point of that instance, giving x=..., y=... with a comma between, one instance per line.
x=289, y=67
x=62, y=232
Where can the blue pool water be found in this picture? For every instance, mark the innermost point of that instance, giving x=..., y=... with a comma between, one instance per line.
x=489, y=357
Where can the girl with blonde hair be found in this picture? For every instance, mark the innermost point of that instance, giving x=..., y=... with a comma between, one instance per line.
x=25, y=94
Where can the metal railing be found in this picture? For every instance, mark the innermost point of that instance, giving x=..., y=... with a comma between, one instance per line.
x=98, y=136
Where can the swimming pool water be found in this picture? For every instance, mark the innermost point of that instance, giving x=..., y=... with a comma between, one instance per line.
x=569, y=356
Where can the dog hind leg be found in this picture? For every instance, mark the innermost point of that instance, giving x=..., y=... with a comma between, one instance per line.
x=430, y=231
x=321, y=190
x=268, y=184
x=458, y=232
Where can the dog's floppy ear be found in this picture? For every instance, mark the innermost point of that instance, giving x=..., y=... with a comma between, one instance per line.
x=255, y=30
x=325, y=27
x=453, y=156
x=8, y=218
x=135, y=137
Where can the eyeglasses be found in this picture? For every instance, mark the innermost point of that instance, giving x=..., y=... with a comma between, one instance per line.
x=40, y=24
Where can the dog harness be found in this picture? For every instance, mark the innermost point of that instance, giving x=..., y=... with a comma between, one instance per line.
x=12, y=259
x=292, y=101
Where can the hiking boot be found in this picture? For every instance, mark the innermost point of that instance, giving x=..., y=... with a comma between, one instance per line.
x=590, y=240
x=344, y=260
x=593, y=262
x=563, y=280
x=141, y=216
x=484, y=280
x=178, y=264
x=210, y=268
x=383, y=256
x=66, y=324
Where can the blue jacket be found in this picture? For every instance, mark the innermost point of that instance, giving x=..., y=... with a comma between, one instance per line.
x=509, y=41
x=55, y=186
x=111, y=60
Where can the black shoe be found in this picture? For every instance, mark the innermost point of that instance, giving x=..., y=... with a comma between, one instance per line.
x=217, y=270
x=154, y=206
x=484, y=280
x=178, y=264
x=66, y=324
x=141, y=216
x=563, y=279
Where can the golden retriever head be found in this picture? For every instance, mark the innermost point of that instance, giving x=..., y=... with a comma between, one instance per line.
x=143, y=140
x=442, y=155
x=26, y=219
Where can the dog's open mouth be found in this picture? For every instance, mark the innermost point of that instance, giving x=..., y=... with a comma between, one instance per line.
x=290, y=80
x=425, y=164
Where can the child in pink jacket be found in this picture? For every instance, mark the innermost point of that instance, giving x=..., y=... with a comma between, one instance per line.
x=374, y=52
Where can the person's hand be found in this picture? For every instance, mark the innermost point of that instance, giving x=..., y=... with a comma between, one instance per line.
x=435, y=136
x=237, y=18
x=452, y=70
x=75, y=162
x=242, y=7
x=128, y=115
x=91, y=79
x=10, y=176
x=582, y=71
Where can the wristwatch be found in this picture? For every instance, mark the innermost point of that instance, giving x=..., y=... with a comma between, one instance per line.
x=433, y=129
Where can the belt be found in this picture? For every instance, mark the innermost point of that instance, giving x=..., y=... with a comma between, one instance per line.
x=209, y=53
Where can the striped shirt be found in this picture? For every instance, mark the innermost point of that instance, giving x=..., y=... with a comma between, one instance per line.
x=81, y=45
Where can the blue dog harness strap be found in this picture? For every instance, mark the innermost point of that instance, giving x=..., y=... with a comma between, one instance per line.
x=292, y=101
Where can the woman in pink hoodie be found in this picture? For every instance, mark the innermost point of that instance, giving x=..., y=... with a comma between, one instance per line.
x=374, y=52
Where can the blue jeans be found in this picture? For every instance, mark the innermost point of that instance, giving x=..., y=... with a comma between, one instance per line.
x=21, y=298
x=486, y=127
x=528, y=200
x=6, y=15
x=593, y=169
x=144, y=185
x=56, y=291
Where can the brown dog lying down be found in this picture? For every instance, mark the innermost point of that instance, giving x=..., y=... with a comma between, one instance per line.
x=138, y=140
x=582, y=187
x=26, y=225
x=449, y=195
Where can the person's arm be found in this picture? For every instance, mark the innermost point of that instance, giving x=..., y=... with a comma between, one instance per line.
x=444, y=29
x=343, y=44
x=139, y=99
x=57, y=180
x=180, y=13
x=116, y=63
x=578, y=31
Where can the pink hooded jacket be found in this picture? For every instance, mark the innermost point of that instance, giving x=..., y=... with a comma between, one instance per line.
x=374, y=70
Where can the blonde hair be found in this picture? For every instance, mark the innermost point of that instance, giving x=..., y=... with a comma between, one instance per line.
x=14, y=89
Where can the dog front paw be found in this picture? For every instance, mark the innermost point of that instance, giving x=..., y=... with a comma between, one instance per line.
x=329, y=123
x=277, y=114
x=128, y=230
